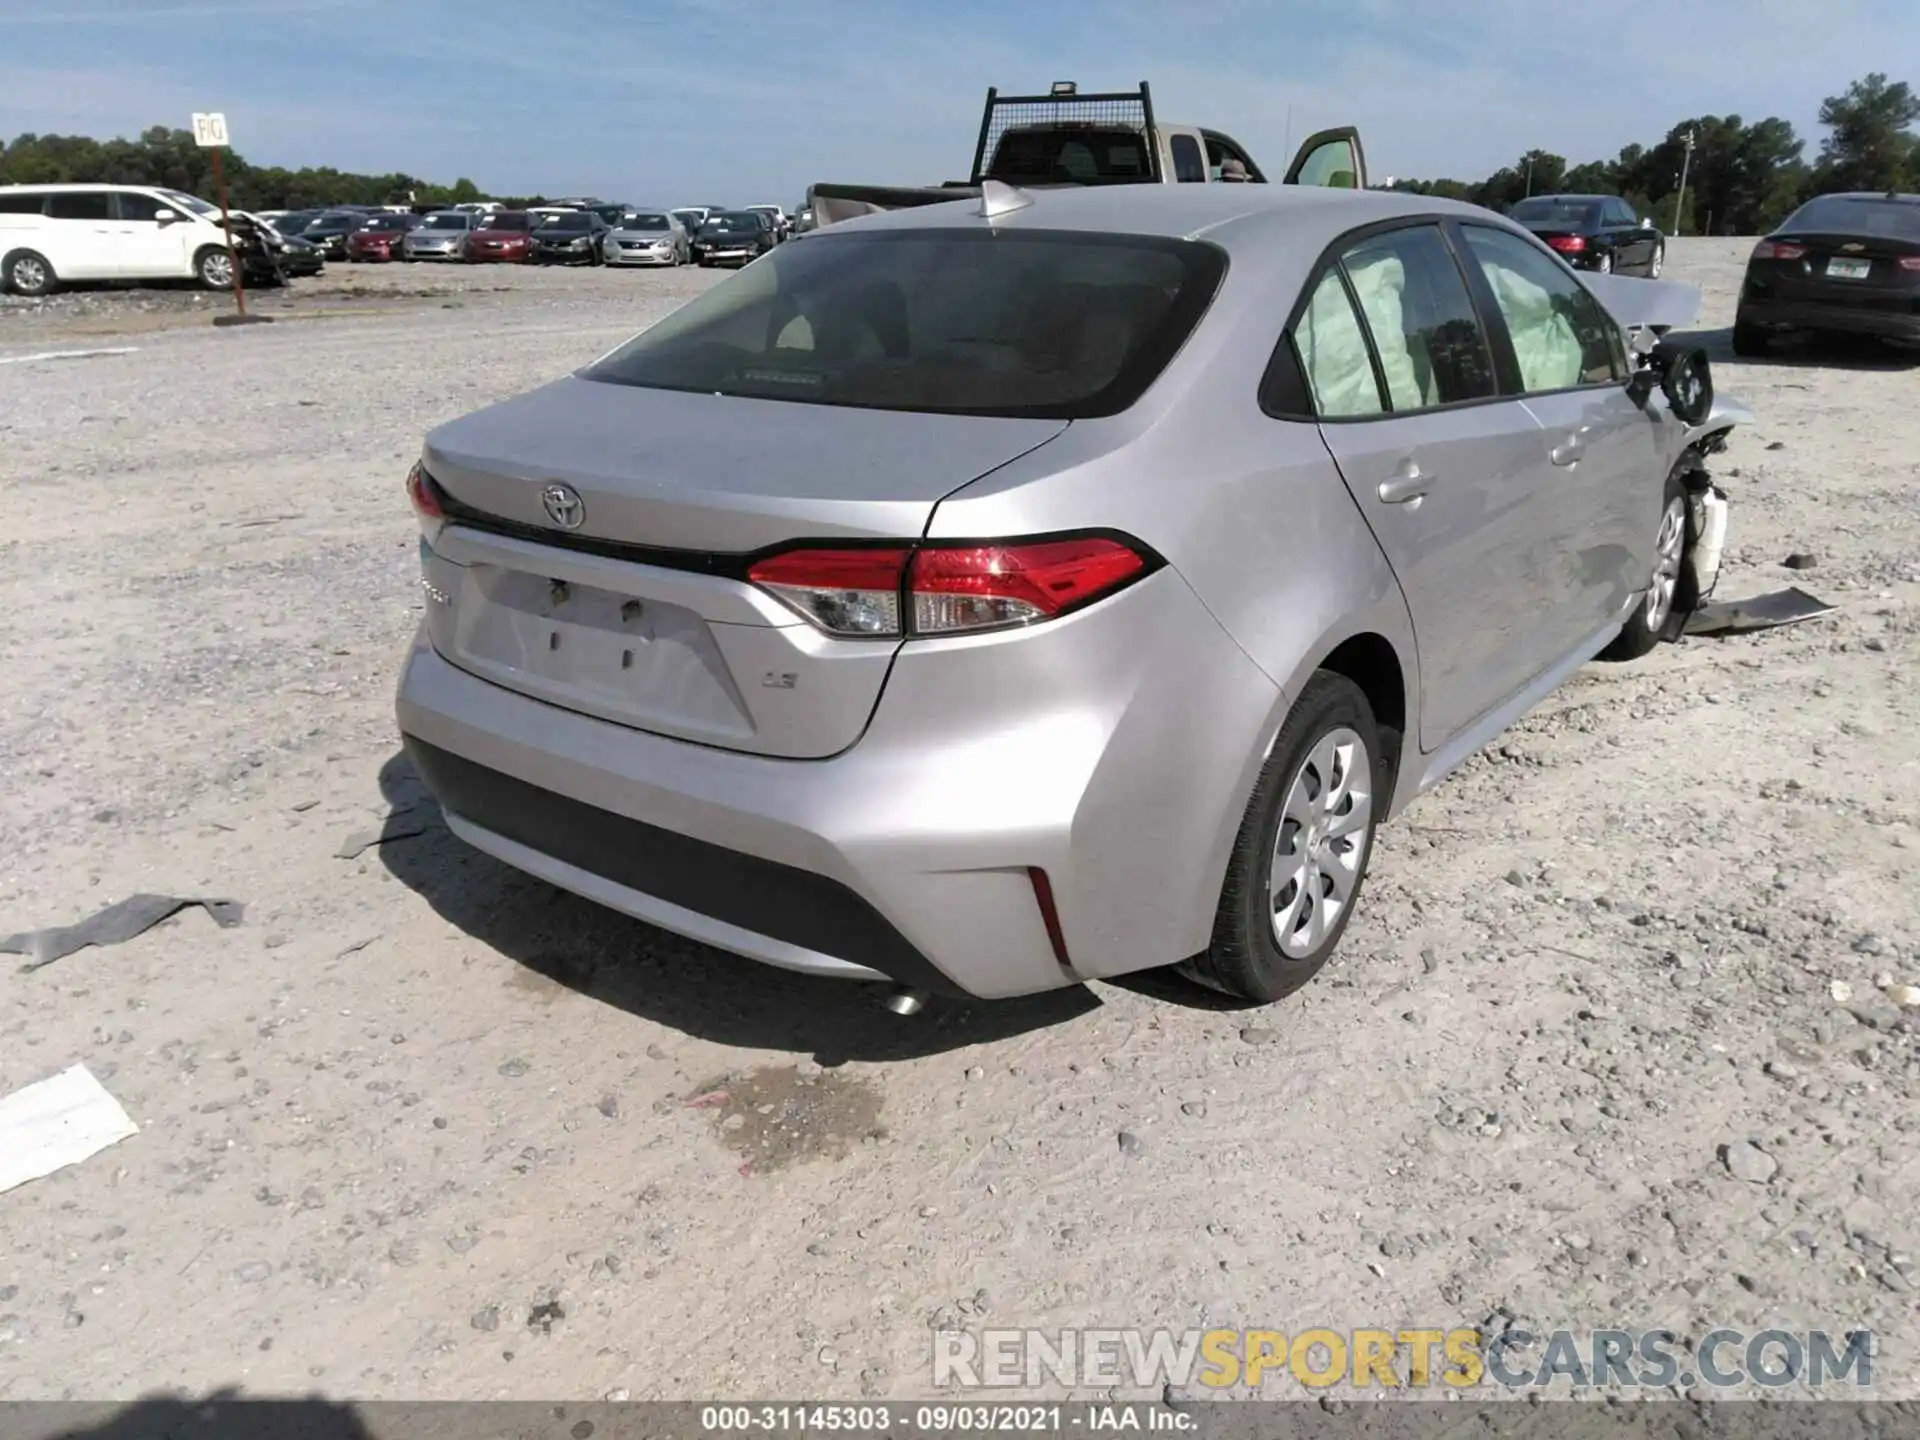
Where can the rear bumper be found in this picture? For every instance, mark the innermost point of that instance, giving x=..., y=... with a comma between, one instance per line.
x=1814, y=315
x=1109, y=750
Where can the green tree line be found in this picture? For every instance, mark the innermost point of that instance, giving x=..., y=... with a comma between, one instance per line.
x=169, y=157
x=1742, y=179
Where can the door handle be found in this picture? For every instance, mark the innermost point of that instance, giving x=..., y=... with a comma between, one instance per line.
x=1569, y=450
x=1407, y=486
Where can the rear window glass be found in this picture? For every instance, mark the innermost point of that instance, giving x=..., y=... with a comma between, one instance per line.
x=1035, y=323
x=1069, y=156
x=32, y=204
x=1556, y=212
x=1895, y=219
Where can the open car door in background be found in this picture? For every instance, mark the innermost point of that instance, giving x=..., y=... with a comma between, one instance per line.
x=1330, y=157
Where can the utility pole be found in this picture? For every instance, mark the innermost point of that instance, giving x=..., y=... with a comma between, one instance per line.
x=1686, y=160
x=1529, y=177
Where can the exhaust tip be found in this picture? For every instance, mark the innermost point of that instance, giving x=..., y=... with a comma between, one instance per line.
x=903, y=1000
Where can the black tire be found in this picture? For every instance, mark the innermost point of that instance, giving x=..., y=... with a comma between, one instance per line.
x=29, y=273
x=213, y=268
x=1637, y=637
x=1749, y=340
x=1245, y=959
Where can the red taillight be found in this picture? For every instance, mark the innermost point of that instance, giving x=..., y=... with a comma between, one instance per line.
x=844, y=592
x=424, y=494
x=1910, y=262
x=985, y=586
x=1567, y=244
x=1778, y=250
x=946, y=589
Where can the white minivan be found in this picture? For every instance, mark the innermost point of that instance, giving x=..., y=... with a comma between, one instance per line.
x=55, y=233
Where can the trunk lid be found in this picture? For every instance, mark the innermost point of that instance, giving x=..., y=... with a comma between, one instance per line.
x=641, y=614
x=1846, y=269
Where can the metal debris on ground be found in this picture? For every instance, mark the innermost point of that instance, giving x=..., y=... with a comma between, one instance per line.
x=1757, y=612
x=55, y=1123
x=114, y=925
x=362, y=840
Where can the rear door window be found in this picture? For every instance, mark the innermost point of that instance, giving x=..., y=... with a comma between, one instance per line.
x=1332, y=347
x=1562, y=339
x=1420, y=315
x=1188, y=164
x=22, y=204
x=80, y=205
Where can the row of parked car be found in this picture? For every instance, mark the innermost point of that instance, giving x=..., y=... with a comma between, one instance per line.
x=572, y=232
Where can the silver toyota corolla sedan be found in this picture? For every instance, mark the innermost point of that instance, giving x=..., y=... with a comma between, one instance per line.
x=995, y=595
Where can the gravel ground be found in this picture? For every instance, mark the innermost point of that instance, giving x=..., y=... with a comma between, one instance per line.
x=421, y=1127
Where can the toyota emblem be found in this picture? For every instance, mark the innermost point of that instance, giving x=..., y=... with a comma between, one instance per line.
x=563, y=506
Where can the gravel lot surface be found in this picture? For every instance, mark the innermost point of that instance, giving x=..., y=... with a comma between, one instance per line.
x=1610, y=1043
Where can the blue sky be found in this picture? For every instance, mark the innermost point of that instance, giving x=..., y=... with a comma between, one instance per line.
x=737, y=101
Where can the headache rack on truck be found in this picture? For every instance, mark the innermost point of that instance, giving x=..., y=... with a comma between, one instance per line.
x=1128, y=112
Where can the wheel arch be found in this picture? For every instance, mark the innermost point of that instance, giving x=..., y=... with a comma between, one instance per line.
x=1373, y=648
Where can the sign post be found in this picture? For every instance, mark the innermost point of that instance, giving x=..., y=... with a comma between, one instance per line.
x=210, y=133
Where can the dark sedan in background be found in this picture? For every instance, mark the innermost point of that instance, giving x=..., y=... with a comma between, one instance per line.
x=1840, y=264
x=573, y=237
x=1595, y=232
x=733, y=237
x=330, y=232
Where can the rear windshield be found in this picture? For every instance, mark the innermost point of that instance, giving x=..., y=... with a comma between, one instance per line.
x=1556, y=212
x=1064, y=156
x=445, y=222
x=1047, y=324
x=1843, y=215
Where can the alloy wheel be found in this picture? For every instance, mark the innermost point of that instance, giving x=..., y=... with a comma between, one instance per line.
x=29, y=275
x=1669, y=546
x=1322, y=841
x=217, y=270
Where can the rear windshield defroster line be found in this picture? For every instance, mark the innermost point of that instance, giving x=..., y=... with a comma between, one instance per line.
x=1041, y=324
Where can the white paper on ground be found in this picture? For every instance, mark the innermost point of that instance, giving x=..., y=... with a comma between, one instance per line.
x=55, y=1123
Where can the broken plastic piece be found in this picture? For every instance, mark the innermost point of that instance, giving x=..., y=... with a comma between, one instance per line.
x=114, y=925
x=55, y=1123
x=1757, y=612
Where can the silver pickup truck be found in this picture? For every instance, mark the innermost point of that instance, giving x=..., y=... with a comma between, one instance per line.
x=1067, y=138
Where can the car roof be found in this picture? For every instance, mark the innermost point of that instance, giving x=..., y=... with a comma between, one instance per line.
x=1566, y=195
x=1234, y=215
x=94, y=185
x=1898, y=197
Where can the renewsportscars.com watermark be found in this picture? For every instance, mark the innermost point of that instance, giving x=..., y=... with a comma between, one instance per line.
x=1400, y=1359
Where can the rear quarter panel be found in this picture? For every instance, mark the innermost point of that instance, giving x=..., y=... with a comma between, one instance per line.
x=1250, y=511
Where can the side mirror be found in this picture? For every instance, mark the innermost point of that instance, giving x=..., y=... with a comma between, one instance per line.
x=167, y=217
x=1684, y=377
